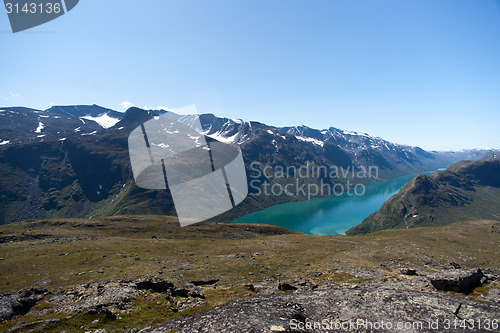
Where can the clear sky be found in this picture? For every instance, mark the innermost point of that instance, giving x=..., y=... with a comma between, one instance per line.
x=421, y=72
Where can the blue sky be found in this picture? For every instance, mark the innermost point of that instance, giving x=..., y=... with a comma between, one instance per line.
x=422, y=72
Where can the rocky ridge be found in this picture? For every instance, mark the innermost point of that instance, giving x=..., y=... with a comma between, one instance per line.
x=392, y=296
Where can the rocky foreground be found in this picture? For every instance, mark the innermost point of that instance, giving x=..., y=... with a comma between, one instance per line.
x=405, y=299
x=131, y=274
x=360, y=309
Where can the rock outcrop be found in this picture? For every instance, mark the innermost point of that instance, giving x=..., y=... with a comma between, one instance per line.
x=459, y=280
x=19, y=303
x=357, y=300
x=346, y=310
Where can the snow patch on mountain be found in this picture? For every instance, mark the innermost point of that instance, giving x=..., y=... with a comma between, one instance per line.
x=312, y=140
x=40, y=127
x=161, y=145
x=104, y=120
x=222, y=138
x=355, y=133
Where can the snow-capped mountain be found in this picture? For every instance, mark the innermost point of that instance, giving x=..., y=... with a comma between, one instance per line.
x=22, y=125
x=72, y=161
x=333, y=144
x=19, y=124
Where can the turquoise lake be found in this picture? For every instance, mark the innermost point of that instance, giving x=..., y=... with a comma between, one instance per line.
x=331, y=215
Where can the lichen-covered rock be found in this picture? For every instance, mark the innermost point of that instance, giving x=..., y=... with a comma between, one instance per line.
x=286, y=286
x=409, y=271
x=196, y=292
x=19, y=303
x=359, y=306
x=459, y=280
x=97, y=297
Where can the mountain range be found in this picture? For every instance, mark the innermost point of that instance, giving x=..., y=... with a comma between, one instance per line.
x=72, y=161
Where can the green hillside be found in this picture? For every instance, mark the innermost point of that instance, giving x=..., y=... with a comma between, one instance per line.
x=466, y=190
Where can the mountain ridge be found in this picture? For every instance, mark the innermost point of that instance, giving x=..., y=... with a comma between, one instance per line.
x=465, y=190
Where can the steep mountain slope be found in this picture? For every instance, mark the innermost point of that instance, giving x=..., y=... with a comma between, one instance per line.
x=466, y=190
x=22, y=125
x=72, y=161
